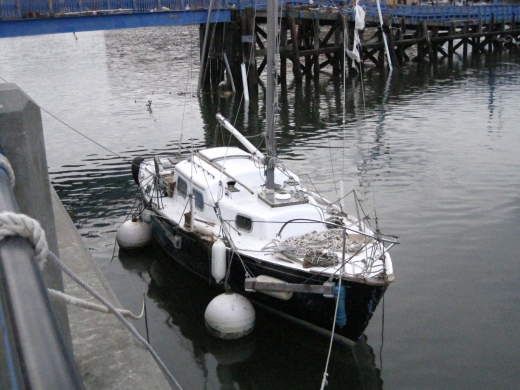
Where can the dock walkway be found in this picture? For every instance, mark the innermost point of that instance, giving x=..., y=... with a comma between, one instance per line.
x=107, y=355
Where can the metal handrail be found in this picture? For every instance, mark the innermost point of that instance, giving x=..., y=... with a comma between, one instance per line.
x=35, y=353
x=25, y=9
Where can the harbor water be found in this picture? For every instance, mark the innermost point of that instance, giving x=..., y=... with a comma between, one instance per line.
x=434, y=149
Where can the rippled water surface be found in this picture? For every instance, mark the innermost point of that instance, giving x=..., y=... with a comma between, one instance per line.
x=435, y=149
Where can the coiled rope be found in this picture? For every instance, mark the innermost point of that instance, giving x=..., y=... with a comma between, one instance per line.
x=13, y=224
x=317, y=249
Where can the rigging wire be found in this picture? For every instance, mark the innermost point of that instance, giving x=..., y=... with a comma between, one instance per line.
x=78, y=132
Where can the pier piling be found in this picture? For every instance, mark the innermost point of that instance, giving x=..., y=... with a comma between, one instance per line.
x=312, y=40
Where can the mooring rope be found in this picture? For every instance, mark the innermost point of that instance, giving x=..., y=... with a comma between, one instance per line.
x=12, y=224
x=57, y=262
x=58, y=296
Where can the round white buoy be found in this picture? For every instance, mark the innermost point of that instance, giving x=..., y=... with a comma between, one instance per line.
x=134, y=234
x=218, y=260
x=230, y=316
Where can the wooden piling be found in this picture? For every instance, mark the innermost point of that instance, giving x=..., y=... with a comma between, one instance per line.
x=295, y=58
x=304, y=34
x=465, y=45
x=249, y=48
x=420, y=44
x=283, y=53
x=316, y=46
x=401, y=49
x=491, y=38
x=337, y=64
x=435, y=46
x=381, y=51
x=452, y=32
x=391, y=44
x=426, y=36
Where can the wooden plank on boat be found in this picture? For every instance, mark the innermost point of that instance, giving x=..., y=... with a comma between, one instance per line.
x=251, y=284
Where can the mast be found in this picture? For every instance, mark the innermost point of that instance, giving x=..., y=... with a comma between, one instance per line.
x=270, y=139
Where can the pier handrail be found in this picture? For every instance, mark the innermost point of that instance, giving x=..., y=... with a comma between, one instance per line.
x=42, y=9
x=35, y=352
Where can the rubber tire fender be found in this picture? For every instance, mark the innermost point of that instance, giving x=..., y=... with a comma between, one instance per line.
x=136, y=163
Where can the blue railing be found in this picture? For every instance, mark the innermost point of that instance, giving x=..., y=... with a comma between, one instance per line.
x=449, y=13
x=262, y=4
x=28, y=9
x=411, y=12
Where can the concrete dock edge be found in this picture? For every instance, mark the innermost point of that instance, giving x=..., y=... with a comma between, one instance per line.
x=106, y=353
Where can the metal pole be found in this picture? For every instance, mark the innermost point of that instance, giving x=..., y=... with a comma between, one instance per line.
x=230, y=75
x=384, y=37
x=272, y=18
x=204, y=45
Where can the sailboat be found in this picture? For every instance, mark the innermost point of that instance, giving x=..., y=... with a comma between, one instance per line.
x=242, y=221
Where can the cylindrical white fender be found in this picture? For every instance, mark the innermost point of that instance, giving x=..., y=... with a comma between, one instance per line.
x=203, y=228
x=218, y=260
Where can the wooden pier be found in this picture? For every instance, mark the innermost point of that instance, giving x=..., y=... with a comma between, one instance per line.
x=311, y=38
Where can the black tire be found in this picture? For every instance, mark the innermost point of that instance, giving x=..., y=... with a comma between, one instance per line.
x=136, y=163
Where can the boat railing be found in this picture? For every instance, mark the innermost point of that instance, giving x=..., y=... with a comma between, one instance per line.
x=385, y=238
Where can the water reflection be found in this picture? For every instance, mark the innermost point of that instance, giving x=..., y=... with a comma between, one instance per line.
x=277, y=355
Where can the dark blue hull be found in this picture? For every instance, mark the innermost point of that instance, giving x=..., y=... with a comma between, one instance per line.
x=315, y=309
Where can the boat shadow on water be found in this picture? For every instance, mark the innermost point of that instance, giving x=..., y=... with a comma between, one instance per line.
x=279, y=354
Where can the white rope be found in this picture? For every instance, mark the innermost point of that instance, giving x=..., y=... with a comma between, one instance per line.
x=58, y=296
x=12, y=224
x=4, y=163
x=56, y=261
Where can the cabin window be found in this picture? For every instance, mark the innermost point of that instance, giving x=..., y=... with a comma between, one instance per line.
x=199, y=199
x=182, y=186
x=244, y=223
